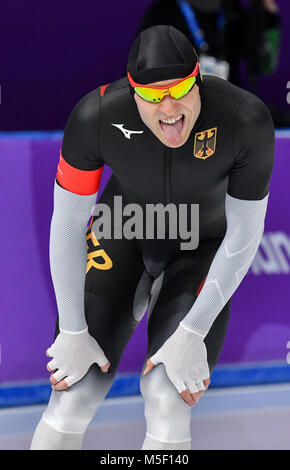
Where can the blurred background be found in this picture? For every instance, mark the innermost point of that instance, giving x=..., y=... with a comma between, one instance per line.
x=51, y=55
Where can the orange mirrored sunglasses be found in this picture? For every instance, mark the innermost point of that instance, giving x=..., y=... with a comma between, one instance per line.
x=156, y=94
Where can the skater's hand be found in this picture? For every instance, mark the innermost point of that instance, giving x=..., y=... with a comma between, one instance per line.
x=185, y=360
x=73, y=353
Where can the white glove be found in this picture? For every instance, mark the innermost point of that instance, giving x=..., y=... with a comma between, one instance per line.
x=185, y=359
x=73, y=353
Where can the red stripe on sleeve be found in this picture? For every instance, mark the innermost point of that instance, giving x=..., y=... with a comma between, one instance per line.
x=103, y=89
x=200, y=287
x=78, y=181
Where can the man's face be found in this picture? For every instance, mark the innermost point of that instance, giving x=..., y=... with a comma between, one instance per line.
x=184, y=111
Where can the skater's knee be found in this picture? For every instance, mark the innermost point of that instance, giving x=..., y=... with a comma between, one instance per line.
x=167, y=415
x=72, y=410
x=160, y=395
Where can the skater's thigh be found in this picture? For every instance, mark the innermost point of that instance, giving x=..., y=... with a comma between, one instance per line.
x=114, y=270
x=182, y=282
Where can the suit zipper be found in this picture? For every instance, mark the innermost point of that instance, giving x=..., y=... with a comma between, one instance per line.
x=167, y=167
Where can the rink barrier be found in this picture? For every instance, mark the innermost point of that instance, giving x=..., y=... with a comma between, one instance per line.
x=38, y=392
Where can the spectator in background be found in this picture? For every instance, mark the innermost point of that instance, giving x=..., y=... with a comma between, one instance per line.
x=225, y=31
x=203, y=22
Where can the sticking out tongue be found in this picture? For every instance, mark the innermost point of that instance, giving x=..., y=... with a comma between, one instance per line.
x=172, y=131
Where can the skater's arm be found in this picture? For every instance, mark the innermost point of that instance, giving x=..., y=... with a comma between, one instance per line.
x=75, y=192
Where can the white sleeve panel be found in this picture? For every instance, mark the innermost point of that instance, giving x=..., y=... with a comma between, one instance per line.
x=68, y=255
x=245, y=227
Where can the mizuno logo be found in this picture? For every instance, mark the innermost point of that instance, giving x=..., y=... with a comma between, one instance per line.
x=126, y=132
